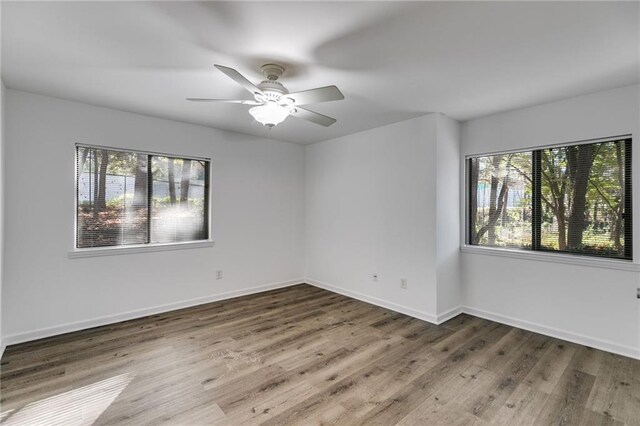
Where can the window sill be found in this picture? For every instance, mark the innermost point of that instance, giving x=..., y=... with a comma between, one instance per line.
x=593, y=262
x=142, y=248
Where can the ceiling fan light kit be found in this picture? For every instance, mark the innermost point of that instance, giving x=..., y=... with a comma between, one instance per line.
x=273, y=102
x=270, y=114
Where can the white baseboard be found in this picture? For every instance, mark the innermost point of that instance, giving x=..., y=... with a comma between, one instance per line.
x=514, y=322
x=581, y=339
x=425, y=316
x=434, y=319
x=13, y=339
x=451, y=313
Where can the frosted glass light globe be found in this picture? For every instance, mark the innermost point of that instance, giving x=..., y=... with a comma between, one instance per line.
x=269, y=114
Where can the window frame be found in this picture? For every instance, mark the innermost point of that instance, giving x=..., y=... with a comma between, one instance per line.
x=82, y=252
x=537, y=252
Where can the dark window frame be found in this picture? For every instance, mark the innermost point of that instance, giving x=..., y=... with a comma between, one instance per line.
x=536, y=201
x=148, y=242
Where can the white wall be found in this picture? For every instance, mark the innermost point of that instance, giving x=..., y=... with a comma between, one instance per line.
x=372, y=203
x=587, y=304
x=2, y=142
x=258, y=218
x=448, y=217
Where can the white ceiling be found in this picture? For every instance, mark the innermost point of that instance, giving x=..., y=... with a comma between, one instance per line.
x=392, y=60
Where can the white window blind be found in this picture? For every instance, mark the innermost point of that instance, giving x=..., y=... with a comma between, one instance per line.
x=131, y=198
x=574, y=198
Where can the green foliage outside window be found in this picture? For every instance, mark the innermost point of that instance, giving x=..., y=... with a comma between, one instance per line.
x=576, y=198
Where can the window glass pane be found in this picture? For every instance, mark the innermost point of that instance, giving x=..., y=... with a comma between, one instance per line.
x=583, y=199
x=111, y=198
x=500, y=200
x=179, y=207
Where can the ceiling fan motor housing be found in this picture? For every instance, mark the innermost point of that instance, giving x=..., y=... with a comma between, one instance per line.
x=272, y=71
x=271, y=88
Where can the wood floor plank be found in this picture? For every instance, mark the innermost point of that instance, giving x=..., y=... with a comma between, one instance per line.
x=547, y=372
x=567, y=403
x=616, y=392
x=501, y=389
x=522, y=407
x=302, y=355
x=462, y=386
x=409, y=397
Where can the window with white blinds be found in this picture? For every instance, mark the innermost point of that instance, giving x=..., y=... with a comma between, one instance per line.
x=574, y=199
x=130, y=198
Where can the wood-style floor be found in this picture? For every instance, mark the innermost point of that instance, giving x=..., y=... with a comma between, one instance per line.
x=302, y=355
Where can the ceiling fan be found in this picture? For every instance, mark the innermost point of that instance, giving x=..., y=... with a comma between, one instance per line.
x=272, y=101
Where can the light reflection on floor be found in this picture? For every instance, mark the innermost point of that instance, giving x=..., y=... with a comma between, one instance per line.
x=80, y=406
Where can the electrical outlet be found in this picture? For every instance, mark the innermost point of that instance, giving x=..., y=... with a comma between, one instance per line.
x=403, y=283
x=375, y=276
x=219, y=275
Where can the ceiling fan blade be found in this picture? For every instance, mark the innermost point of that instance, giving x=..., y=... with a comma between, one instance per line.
x=315, y=96
x=240, y=79
x=227, y=101
x=314, y=117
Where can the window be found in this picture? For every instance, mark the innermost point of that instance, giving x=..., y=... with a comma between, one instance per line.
x=569, y=199
x=130, y=198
